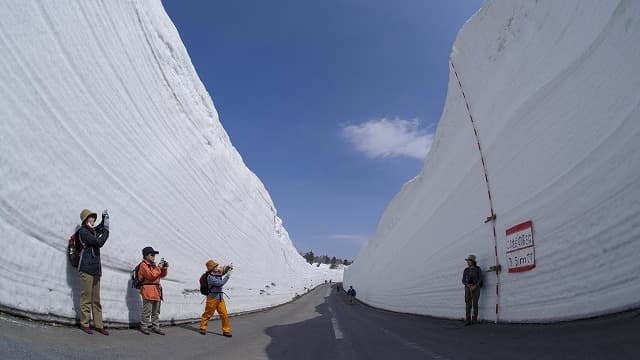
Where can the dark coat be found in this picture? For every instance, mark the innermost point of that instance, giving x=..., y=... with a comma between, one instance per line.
x=89, y=241
x=472, y=276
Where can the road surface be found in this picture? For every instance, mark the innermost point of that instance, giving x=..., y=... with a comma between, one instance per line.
x=323, y=325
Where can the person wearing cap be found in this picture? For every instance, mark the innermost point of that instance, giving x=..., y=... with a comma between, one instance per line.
x=215, y=301
x=89, y=240
x=472, y=280
x=149, y=275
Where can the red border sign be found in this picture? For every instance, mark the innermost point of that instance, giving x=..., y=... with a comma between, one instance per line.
x=521, y=254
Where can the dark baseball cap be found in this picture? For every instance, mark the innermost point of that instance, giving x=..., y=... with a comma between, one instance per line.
x=149, y=250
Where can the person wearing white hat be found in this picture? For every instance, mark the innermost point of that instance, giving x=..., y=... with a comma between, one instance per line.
x=472, y=281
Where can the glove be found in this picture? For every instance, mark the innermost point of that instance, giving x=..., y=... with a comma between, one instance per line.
x=105, y=218
x=229, y=273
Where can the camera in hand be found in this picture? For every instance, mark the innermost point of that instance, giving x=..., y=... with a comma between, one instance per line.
x=227, y=268
x=163, y=263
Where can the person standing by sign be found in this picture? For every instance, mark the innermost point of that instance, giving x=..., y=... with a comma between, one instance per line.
x=472, y=280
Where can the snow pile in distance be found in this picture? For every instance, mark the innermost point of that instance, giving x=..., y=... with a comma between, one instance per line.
x=100, y=107
x=554, y=90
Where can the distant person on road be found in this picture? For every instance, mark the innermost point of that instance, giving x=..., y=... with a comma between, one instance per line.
x=149, y=275
x=351, y=293
x=215, y=301
x=472, y=280
x=89, y=240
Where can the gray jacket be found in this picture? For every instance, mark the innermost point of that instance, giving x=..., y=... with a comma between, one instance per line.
x=215, y=283
x=89, y=241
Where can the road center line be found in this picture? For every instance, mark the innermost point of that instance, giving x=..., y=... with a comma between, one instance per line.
x=336, y=328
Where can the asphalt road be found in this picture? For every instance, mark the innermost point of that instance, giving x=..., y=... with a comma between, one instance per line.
x=322, y=325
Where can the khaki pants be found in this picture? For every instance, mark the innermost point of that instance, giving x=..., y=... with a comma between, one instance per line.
x=211, y=307
x=150, y=314
x=90, y=300
x=471, y=301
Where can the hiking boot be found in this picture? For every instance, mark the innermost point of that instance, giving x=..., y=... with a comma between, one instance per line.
x=467, y=323
x=144, y=331
x=226, y=334
x=157, y=331
x=103, y=331
x=86, y=329
x=203, y=332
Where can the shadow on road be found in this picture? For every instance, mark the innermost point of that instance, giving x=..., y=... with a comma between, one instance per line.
x=304, y=340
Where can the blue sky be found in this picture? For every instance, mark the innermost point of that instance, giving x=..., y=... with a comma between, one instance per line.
x=333, y=104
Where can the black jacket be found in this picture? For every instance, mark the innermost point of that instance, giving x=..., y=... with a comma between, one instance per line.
x=472, y=276
x=89, y=242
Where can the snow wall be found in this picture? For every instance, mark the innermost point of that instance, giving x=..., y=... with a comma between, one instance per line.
x=554, y=91
x=100, y=107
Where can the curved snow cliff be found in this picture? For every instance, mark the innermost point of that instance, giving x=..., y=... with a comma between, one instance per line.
x=554, y=91
x=100, y=107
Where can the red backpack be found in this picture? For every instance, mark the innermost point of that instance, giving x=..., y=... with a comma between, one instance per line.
x=72, y=251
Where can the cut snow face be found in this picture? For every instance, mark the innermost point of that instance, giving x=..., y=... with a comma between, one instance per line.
x=554, y=92
x=100, y=107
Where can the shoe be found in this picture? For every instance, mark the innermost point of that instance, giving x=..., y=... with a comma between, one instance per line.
x=467, y=323
x=203, y=332
x=227, y=334
x=157, y=331
x=144, y=331
x=103, y=331
x=86, y=329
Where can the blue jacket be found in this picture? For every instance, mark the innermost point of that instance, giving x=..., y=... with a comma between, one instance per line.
x=93, y=239
x=215, y=283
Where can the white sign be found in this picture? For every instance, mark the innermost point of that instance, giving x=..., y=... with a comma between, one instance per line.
x=521, y=254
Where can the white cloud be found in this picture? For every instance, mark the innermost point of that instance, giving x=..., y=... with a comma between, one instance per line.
x=360, y=239
x=389, y=138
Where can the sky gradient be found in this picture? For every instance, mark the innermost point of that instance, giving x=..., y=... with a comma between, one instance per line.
x=333, y=104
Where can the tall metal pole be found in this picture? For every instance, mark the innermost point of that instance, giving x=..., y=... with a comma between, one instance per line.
x=492, y=217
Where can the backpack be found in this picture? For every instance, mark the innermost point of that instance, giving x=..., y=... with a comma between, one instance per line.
x=480, y=276
x=204, y=285
x=135, y=282
x=72, y=250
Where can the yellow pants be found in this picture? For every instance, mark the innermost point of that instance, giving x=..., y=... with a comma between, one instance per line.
x=210, y=309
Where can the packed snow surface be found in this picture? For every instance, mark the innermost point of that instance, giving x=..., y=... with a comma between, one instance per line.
x=100, y=107
x=554, y=91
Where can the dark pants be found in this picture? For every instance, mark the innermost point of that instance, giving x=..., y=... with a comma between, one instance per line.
x=471, y=299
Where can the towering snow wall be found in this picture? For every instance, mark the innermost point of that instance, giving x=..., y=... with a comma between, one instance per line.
x=554, y=91
x=100, y=107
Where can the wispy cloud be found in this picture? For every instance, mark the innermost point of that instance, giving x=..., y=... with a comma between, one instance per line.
x=359, y=239
x=380, y=138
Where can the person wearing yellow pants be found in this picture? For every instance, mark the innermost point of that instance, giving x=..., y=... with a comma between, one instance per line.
x=215, y=301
